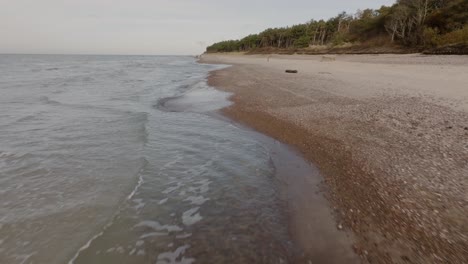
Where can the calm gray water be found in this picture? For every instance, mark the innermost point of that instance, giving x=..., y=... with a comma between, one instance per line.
x=97, y=166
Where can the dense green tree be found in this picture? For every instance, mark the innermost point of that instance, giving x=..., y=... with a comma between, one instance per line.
x=412, y=23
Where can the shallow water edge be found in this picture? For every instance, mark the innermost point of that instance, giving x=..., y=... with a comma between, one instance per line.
x=312, y=225
x=127, y=159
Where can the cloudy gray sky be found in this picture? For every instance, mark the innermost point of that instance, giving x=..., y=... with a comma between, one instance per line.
x=150, y=26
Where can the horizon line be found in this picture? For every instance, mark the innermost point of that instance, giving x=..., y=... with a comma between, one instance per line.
x=97, y=54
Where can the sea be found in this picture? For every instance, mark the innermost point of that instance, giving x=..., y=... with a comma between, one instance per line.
x=125, y=159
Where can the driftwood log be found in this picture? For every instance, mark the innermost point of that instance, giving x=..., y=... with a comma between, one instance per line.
x=291, y=71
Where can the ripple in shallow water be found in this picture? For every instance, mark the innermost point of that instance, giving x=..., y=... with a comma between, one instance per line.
x=91, y=171
x=211, y=193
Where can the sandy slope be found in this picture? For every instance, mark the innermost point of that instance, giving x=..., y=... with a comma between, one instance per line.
x=390, y=133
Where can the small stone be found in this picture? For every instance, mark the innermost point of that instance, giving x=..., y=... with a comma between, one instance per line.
x=356, y=249
x=340, y=227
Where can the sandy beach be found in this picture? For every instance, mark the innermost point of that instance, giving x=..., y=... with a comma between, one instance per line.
x=388, y=132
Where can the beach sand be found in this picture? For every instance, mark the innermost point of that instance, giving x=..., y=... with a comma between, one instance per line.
x=388, y=132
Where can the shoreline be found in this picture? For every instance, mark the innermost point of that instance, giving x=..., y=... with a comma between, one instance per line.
x=374, y=184
x=312, y=221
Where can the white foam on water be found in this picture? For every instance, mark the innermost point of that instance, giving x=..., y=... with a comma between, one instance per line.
x=197, y=200
x=108, y=108
x=182, y=236
x=203, y=188
x=139, y=203
x=24, y=258
x=163, y=201
x=158, y=227
x=171, y=257
x=191, y=216
x=169, y=164
x=139, y=183
x=88, y=244
x=200, y=98
x=153, y=234
x=85, y=246
x=173, y=188
x=200, y=169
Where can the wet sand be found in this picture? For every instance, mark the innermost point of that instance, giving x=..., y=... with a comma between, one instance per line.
x=311, y=220
x=389, y=133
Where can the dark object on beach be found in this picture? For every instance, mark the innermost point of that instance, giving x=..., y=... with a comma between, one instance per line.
x=291, y=71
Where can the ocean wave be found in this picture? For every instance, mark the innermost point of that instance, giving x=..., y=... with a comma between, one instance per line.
x=162, y=104
x=196, y=96
x=46, y=100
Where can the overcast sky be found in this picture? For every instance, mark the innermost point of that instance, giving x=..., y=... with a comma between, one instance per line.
x=150, y=26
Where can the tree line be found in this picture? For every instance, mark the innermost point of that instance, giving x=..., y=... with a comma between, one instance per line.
x=408, y=23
